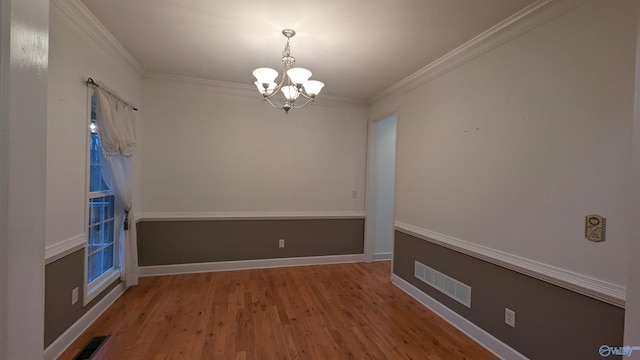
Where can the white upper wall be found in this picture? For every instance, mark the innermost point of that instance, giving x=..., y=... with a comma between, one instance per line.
x=208, y=149
x=73, y=57
x=512, y=149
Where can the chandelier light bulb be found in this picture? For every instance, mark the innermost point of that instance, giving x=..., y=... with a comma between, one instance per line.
x=265, y=75
x=313, y=87
x=266, y=90
x=299, y=75
x=290, y=92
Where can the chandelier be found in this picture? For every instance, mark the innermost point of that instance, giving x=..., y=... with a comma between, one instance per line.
x=294, y=84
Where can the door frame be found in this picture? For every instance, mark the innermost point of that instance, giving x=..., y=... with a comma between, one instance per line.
x=370, y=197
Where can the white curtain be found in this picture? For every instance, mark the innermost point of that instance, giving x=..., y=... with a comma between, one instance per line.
x=117, y=139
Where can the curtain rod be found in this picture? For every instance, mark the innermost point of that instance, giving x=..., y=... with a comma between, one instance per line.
x=91, y=82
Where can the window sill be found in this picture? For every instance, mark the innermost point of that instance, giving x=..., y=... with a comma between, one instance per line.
x=100, y=284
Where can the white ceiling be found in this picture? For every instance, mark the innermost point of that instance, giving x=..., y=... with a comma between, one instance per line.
x=359, y=48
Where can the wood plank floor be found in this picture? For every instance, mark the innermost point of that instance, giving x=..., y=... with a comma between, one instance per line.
x=346, y=311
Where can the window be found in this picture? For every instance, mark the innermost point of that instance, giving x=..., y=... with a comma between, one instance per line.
x=102, y=247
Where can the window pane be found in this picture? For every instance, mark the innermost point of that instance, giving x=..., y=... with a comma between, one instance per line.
x=100, y=262
x=94, y=266
x=89, y=267
x=97, y=237
x=107, y=260
x=94, y=238
x=108, y=233
x=96, y=181
x=109, y=205
x=90, y=238
x=101, y=245
x=95, y=210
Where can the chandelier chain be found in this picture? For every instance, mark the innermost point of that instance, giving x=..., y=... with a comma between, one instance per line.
x=287, y=49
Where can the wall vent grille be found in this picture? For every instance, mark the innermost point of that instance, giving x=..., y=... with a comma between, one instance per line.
x=449, y=286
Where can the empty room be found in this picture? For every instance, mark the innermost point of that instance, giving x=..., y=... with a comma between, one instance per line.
x=438, y=179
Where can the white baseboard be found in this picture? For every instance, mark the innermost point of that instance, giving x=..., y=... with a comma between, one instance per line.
x=488, y=341
x=383, y=256
x=68, y=337
x=175, y=269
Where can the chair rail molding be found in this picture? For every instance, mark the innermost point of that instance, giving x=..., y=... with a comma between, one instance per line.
x=598, y=289
x=266, y=215
x=63, y=248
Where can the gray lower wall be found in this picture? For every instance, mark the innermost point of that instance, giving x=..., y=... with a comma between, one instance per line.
x=184, y=242
x=61, y=276
x=551, y=322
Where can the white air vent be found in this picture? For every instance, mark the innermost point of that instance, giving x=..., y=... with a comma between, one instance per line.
x=447, y=285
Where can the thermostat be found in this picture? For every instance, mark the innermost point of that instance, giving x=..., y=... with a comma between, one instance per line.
x=595, y=227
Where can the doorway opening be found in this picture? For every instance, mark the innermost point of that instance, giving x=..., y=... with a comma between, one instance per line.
x=381, y=172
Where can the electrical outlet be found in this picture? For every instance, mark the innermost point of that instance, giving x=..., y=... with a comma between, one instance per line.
x=354, y=194
x=281, y=243
x=74, y=296
x=509, y=317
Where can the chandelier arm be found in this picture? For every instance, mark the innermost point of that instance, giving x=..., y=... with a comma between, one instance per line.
x=275, y=91
x=309, y=99
x=305, y=95
x=274, y=103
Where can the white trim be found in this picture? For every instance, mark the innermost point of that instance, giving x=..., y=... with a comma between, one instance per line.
x=512, y=27
x=64, y=248
x=213, y=86
x=246, y=264
x=57, y=347
x=77, y=12
x=488, y=341
x=100, y=284
x=370, y=198
x=371, y=181
x=271, y=215
x=383, y=256
x=244, y=90
x=598, y=289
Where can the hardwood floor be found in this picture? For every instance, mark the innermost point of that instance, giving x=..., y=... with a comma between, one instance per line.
x=346, y=311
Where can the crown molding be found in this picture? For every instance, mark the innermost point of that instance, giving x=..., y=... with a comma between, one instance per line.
x=510, y=28
x=93, y=28
x=598, y=289
x=243, y=90
x=207, y=85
